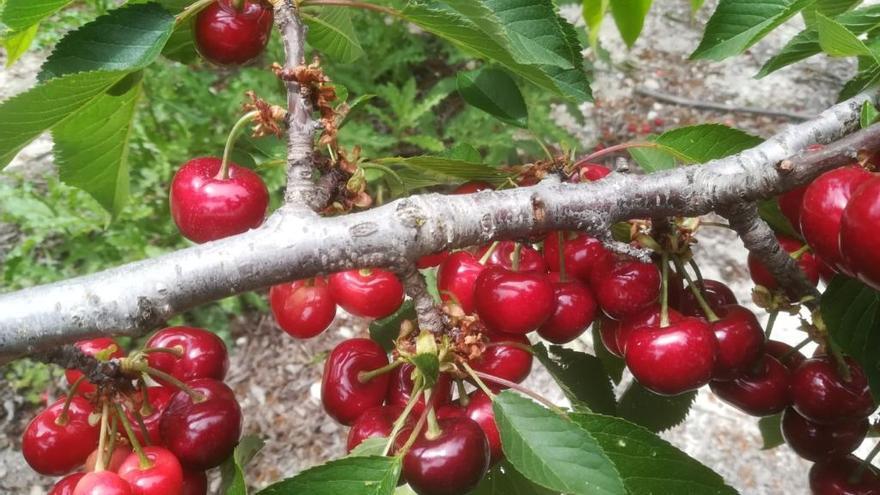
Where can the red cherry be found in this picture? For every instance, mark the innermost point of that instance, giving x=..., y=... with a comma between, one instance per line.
x=472, y=187
x=54, y=449
x=194, y=483
x=450, y=464
x=574, y=312
x=206, y=207
x=502, y=359
x=202, y=434
x=344, y=396
x=608, y=330
x=627, y=287
x=120, y=452
x=457, y=277
x=163, y=477
x=807, y=261
x=513, y=302
x=762, y=392
x=303, y=308
x=102, y=483
x=581, y=253
x=66, y=485
x=834, y=477
x=450, y=411
x=822, y=209
x=715, y=293
x=204, y=353
x=816, y=442
x=104, y=348
x=740, y=341
x=370, y=293
x=159, y=398
x=821, y=395
x=672, y=360
x=784, y=353
x=590, y=172
x=400, y=389
x=226, y=35
x=859, y=233
x=431, y=260
x=648, y=318
x=790, y=206
x=530, y=260
x=826, y=272
x=374, y=422
x=479, y=409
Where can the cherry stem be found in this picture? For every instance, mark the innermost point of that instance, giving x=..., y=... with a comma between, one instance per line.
x=161, y=375
x=61, y=420
x=434, y=430
x=857, y=475
x=489, y=252
x=176, y=351
x=401, y=420
x=191, y=10
x=415, y=433
x=480, y=383
x=246, y=119
x=518, y=345
x=770, y=322
x=100, y=463
x=791, y=352
x=135, y=445
x=479, y=376
x=517, y=252
x=365, y=376
x=796, y=255
x=143, y=426
x=696, y=268
x=146, y=407
x=664, y=290
x=560, y=241
x=613, y=149
x=463, y=398
x=114, y=427
x=710, y=315
x=238, y=5
x=354, y=4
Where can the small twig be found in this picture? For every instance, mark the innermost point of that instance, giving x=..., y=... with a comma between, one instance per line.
x=708, y=105
x=95, y=371
x=430, y=317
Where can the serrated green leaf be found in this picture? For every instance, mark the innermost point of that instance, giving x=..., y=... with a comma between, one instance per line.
x=654, y=412
x=232, y=480
x=594, y=12
x=693, y=144
x=331, y=32
x=868, y=115
x=465, y=153
x=581, y=377
x=181, y=46
x=372, y=475
x=353, y=107
x=370, y=446
x=503, y=479
x=613, y=365
x=648, y=464
x=652, y=159
x=127, y=38
x=738, y=24
x=425, y=170
x=496, y=93
x=19, y=15
x=551, y=451
x=387, y=329
x=864, y=79
x=771, y=431
x=837, y=41
x=16, y=44
x=770, y=213
x=629, y=15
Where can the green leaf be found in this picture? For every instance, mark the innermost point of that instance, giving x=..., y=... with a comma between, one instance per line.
x=696, y=5
x=429, y=170
x=648, y=464
x=581, y=376
x=613, y=365
x=426, y=361
x=837, y=41
x=370, y=446
x=372, y=475
x=232, y=470
x=19, y=15
x=652, y=159
x=551, y=451
x=828, y=8
x=503, y=479
x=594, y=13
x=868, y=115
x=16, y=44
x=464, y=152
x=629, y=15
x=694, y=144
x=91, y=149
x=127, y=38
x=181, y=46
x=496, y=93
x=738, y=24
x=331, y=32
x=771, y=431
x=770, y=213
x=864, y=79
x=654, y=412
x=387, y=329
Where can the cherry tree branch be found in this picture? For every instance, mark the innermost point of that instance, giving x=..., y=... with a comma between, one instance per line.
x=430, y=317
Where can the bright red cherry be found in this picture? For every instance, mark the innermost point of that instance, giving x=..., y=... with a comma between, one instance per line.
x=472, y=187
x=457, y=277
x=821, y=395
x=760, y=392
x=206, y=206
x=674, y=359
x=590, y=172
x=859, y=233
x=374, y=422
x=627, y=287
x=120, y=453
x=574, y=312
x=816, y=442
x=822, y=209
x=608, y=330
x=581, y=253
x=826, y=272
x=790, y=206
x=834, y=477
x=505, y=356
x=303, y=308
x=647, y=318
x=450, y=464
x=740, y=341
x=194, y=483
x=66, y=485
x=104, y=349
x=369, y=292
x=400, y=389
x=784, y=353
x=55, y=445
x=102, y=483
x=530, y=260
x=151, y=414
x=513, y=302
x=715, y=293
x=163, y=477
x=226, y=35
x=807, y=261
x=479, y=409
x=343, y=393
x=431, y=260
x=202, y=434
x=204, y=353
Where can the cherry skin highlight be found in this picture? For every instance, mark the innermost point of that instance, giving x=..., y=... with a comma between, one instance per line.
x=102, y=483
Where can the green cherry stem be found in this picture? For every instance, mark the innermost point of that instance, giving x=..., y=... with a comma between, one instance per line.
x=143, y=426
x=176, y=351
x=696, y=268
x=463, y=398
x=191, y=10
x=479, y=376
x=100, y=463
x=62, y=418
x=664, y=290
x=434, y=430
x=401, y=420
x=161, y=375
x=517, y=254
x=488, y=253
x=710, y=315
x=789, y=353
x=771, y=321
x=246, y=119
x=365, y=376
x=114, y=427
x=415, y=432
x=135, y=445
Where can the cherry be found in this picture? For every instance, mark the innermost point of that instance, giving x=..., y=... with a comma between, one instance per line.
x=834, y=477
x=816, y=442
x=574, y=312
x=590, y=172
x=343, y=394
x=103, y=348
x=194, y=483
x=55, y=445
x=826, y=272
x=674, y=359
x=163, y=477
x=608, y=330
x=807, y=261
x=369, y=293
x=431, y=260
x=226, y=35
x=400, y=389
x=102, y=483
x=120, y=452
x=450, y=411
x=740, y=341
x=452, y=463
x=821, y=395
x=790, y=206
x=479, y=409
x=151, y=414
x=513, y=302
x=627, y=287
x=457, y=277
x=784, y=353
x=303, y=308
x=859, y=234
x=503, y=360
x=715, y=293
x=472, y=187
x=760, y=392
x=205, y=206
x=66, y=485
x=822, y=209
x=580, y=251
x=530, y=260
x=202, y=434
x=374, y=422
x=648, y=318
x=204, y=353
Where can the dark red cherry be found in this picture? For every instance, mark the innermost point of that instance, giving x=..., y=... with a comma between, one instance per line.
x=194, y=483
x=206, y=206
x=672, y=360
x=835, y=477
x=574, y=312
x=450, y=411
x=226, y=35
x=431, y=260
x=826, y=272
x=344, y=396
x=159, y=398
x=740, y=341
x=479, y=409
x=457, y=277
x=202, y=434
x=204, y=353
x=647, y=318
x=715, y=293
x=374, y=422
x=369, y=292
x=66, y=485
x=453, y=463
x=513, y=302
x=530, y=260
x=763, y=391
x=55, y=445
x=400, y=389
x=581, y=253
x=608, y=330
x=821, y=395
x=104, y=349
x=627, y=287
x=784, y=353
x=505, y=356
x=790, y=206
x=102, y=483
x=121, y=451
x=807, y=261
x=303, y=308
x=816, y=442
x=163, y=477
x=860, y=234
x=590, y=172
x=472, y=187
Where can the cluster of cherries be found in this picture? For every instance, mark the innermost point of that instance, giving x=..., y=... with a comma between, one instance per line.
x=153, y=431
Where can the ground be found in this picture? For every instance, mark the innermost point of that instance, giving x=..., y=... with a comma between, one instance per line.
x=277, y=378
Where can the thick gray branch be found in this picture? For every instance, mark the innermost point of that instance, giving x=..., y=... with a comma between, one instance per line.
x=430, y=317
